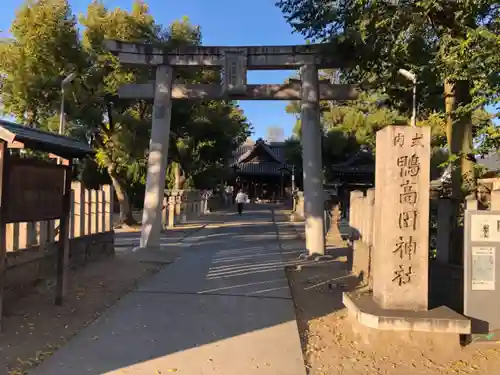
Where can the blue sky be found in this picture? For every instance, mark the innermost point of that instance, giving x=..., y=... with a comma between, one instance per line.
x=223, y=22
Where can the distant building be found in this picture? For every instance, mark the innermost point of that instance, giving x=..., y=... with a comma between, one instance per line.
x=358, y=171
x=261, y=170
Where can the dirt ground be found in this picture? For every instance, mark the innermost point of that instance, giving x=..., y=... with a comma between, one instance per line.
x=33, y=327
x=335, y=344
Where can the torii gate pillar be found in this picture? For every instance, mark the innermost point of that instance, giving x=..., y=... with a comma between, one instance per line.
x=312, y=165
x=157, y=161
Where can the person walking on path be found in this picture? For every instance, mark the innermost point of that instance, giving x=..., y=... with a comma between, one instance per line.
x=241, y=199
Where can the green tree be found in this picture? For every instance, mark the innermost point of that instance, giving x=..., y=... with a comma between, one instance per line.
x=451, y=46
x=348, y=126
x=121, y=128
x=46, y=47
x=43, y=50
x=201, y=133
x=201, y=145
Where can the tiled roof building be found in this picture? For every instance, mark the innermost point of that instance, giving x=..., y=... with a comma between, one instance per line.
x=260, y=158
x=261, y=169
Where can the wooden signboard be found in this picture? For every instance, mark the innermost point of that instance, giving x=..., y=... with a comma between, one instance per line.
x=34, y=191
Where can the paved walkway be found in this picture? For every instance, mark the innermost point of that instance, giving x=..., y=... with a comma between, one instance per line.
x=223, y=307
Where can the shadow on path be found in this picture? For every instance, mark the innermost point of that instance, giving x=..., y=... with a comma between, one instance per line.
x=223, y=307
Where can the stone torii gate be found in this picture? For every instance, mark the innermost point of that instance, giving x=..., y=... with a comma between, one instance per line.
x=234, y=63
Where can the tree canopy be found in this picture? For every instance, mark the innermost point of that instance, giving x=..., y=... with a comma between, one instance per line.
x=347, y=127
x=438, y=40
x=451, y=46
x=46, y=47
x=351, y=126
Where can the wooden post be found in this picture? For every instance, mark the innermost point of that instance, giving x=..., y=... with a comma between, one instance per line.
x=4, y=153
x=63, y=244
x=78, y=209
x=108, y=198
x=88, y=211
x=72, y=214
x=94, y=212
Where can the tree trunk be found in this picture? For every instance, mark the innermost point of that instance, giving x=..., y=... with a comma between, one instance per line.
x=459, y=134
x=122, y=196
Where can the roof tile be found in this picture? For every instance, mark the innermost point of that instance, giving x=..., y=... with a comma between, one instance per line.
x=46, y=141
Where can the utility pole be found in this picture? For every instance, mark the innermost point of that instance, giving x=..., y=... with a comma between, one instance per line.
x=62, y=117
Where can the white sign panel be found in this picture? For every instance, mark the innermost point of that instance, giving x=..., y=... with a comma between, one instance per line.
x=483, y=268
x=485, y=228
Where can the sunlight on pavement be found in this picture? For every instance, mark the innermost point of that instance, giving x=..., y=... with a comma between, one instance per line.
x=228, y=356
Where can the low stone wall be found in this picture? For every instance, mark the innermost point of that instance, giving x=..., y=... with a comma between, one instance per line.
x=27, y=267
x=362, y=254
x=445, y=242
x=361, y=232
x=180, y=206
x=298, y=205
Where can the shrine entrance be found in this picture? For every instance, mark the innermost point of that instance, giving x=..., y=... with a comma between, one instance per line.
x=260, y=169
x=234, y=62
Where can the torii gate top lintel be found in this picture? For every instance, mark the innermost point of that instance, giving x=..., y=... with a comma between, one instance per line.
x=289, y=57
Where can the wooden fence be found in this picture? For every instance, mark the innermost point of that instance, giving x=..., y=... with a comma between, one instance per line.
x=91, y=213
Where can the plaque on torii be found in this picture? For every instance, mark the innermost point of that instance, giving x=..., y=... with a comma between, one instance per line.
x=234, y=73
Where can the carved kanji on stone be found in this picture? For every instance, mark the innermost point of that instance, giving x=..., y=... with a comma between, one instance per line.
x=405, y=247
x=409, y=166
x=403, y=275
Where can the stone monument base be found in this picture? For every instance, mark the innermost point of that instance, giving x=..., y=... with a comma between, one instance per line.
x=439, y=320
